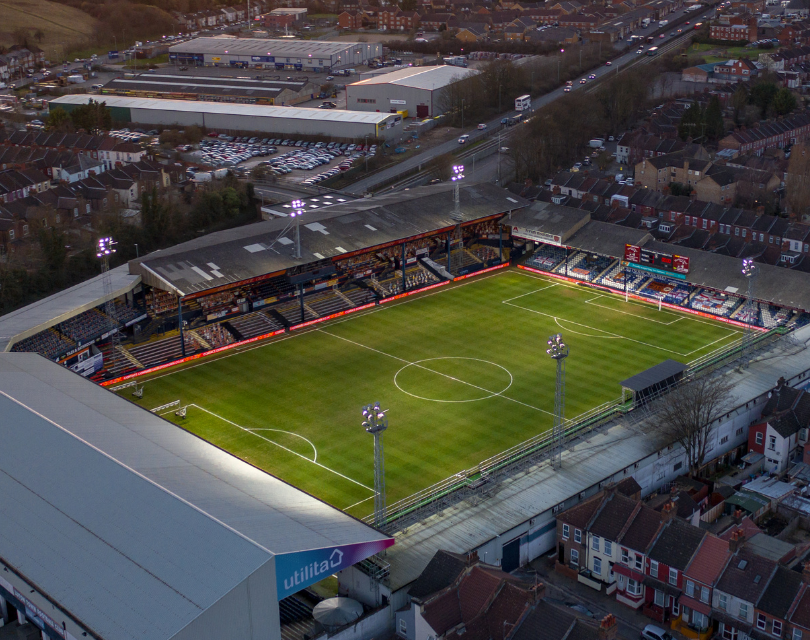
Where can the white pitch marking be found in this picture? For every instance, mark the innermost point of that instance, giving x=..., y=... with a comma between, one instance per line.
x=239, y=426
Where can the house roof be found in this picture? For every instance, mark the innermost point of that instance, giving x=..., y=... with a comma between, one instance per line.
x=550, y=622
x=746, y=575
x=787, y=410
x=442, y=571
x=612, y=516
x=709, y=561
x=800, y=615
x=676, y=544
x=580, y=515
x=642, y=530
x=780, y=593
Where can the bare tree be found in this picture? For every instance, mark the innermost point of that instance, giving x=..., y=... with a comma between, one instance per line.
x=687, y=416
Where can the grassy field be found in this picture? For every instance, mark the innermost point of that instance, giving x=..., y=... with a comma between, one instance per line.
x=62, y=26
x=462, y=370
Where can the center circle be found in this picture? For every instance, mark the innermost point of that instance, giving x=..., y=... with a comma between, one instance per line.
x=453, y=379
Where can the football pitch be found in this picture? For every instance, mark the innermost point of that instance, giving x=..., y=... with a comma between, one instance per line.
x=462, y=370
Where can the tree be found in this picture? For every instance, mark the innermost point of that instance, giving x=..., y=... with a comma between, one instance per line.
x=691, y=124
x=678, y=189
x=713, y=118
x=155, y=217
x=52, y=242
x=738, y=101
x=39, y=35
x=21, y=35
x=93, y=117
x=687, y=415
x=784, y=101
x=762, y=95
x=59, y=120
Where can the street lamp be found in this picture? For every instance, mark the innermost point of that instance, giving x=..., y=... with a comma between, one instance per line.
x=375, y=423
x=458, y=176
x=104, y=249
x=297, y=212
x=750, y=271
x=558, y=351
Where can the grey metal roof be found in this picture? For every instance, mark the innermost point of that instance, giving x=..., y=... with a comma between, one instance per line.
x=553, y=219
x=230, y=108
x=221, y=89
x=265, y=81
x=606, y=453
x=118, y=552
x=266, y=247
x=263, y=47
x=135, y=524
x=608, y=239
x=420, y=77
x=654, y=375
x=50, y=311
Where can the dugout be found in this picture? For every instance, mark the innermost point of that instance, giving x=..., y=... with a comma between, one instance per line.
x=645, y=385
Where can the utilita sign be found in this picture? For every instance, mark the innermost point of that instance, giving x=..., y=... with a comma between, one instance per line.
x=294, y=571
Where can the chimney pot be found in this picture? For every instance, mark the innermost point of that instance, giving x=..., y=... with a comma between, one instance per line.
x=608, y=628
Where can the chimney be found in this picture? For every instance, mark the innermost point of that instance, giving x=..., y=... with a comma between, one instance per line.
x=538, y=590
x=472, y=558
x=736, y=540
x=737, y=516
x=668, y=511
x=806, y=573
x=608, y=628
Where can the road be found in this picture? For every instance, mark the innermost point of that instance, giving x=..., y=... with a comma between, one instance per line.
x=452, y=146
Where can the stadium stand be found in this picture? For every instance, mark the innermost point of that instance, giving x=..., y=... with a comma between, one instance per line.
x=159, y=302
x=85, y=326
x=714, y=302
x=159, y=351
x=124, y=313
x=47, y=343
x=774, y=316
x=327, y=303
x=742, y=314
x=665, y=290
x=547, y=258
x=358, y=295
x=618, y=276
x=584, y=266
x=292, y=312
x=255, y=324
x=215, y=335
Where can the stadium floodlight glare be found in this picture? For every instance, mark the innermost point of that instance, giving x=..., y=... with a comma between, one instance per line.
x=297, y=212
x=105, y=247
x=749, y=270
x=457, y=177
x=558, y=351
x=375, y=423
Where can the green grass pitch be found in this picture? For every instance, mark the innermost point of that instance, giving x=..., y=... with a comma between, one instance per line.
x=462, y=369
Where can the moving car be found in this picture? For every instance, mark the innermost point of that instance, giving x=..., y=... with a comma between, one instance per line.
x=482, y=126
x=463, y=139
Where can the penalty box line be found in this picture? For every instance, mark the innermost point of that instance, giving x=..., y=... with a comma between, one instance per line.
x=280, y=446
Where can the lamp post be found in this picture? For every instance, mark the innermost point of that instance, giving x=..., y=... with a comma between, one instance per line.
x=558, y=351
x=297, y=212
x=750, y=271
x=462, y=115
x=365, y=148
x=105, y=248
x=375, y=423
x=559, y=60
x=458, y=176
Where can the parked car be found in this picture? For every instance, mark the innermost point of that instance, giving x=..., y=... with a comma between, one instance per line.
x=651, y=632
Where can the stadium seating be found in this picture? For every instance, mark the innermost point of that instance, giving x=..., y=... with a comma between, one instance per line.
x=255, y=324
x=292, y=609
x=665, y=290
x=326, y=303
x=714, y=302
x=215, y=335
x=547, y=257
x=160, y=302
x=358, y=295
x=579, y=266
x=125, y=313
x=85, y=326
x=48, y=343
x=774, y=316
x=292, y=312
x=615, y=278
x=484, y=253
x=160, y=351
x=742, y=314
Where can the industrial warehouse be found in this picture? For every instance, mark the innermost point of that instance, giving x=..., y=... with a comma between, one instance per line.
x=262, y=53
x=416, y=90
x=209, y=89
x=349, y=125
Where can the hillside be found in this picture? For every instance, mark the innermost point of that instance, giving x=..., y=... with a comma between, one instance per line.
x=62, y=27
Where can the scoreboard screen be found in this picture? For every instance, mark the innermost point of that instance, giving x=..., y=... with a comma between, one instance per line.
x=664, y=261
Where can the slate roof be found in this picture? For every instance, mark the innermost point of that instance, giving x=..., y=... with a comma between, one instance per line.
x=787, y=410
x=642, y=530
x=547, y=621
x=780, y=593
x=442, y=571
x=746, y=575
x=580, y=515
x=801, y=610
x=676, y=544
x=612, y=516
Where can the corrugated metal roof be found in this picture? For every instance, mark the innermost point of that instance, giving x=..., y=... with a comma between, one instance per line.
x=230, y=108
x=264, y=47
x=50, y=311
x=421, y=77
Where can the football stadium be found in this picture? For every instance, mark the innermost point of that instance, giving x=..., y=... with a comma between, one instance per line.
x=493, y=332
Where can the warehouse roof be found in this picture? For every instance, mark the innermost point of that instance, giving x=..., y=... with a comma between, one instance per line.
x=262, y=82
x=230, y=108
x=263, y=47
x=421, y=77
x=133, y=524
x=120, y=84
x=50, y=311
x=266, y=247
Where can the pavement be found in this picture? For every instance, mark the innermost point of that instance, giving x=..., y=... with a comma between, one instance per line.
x=562, y=590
